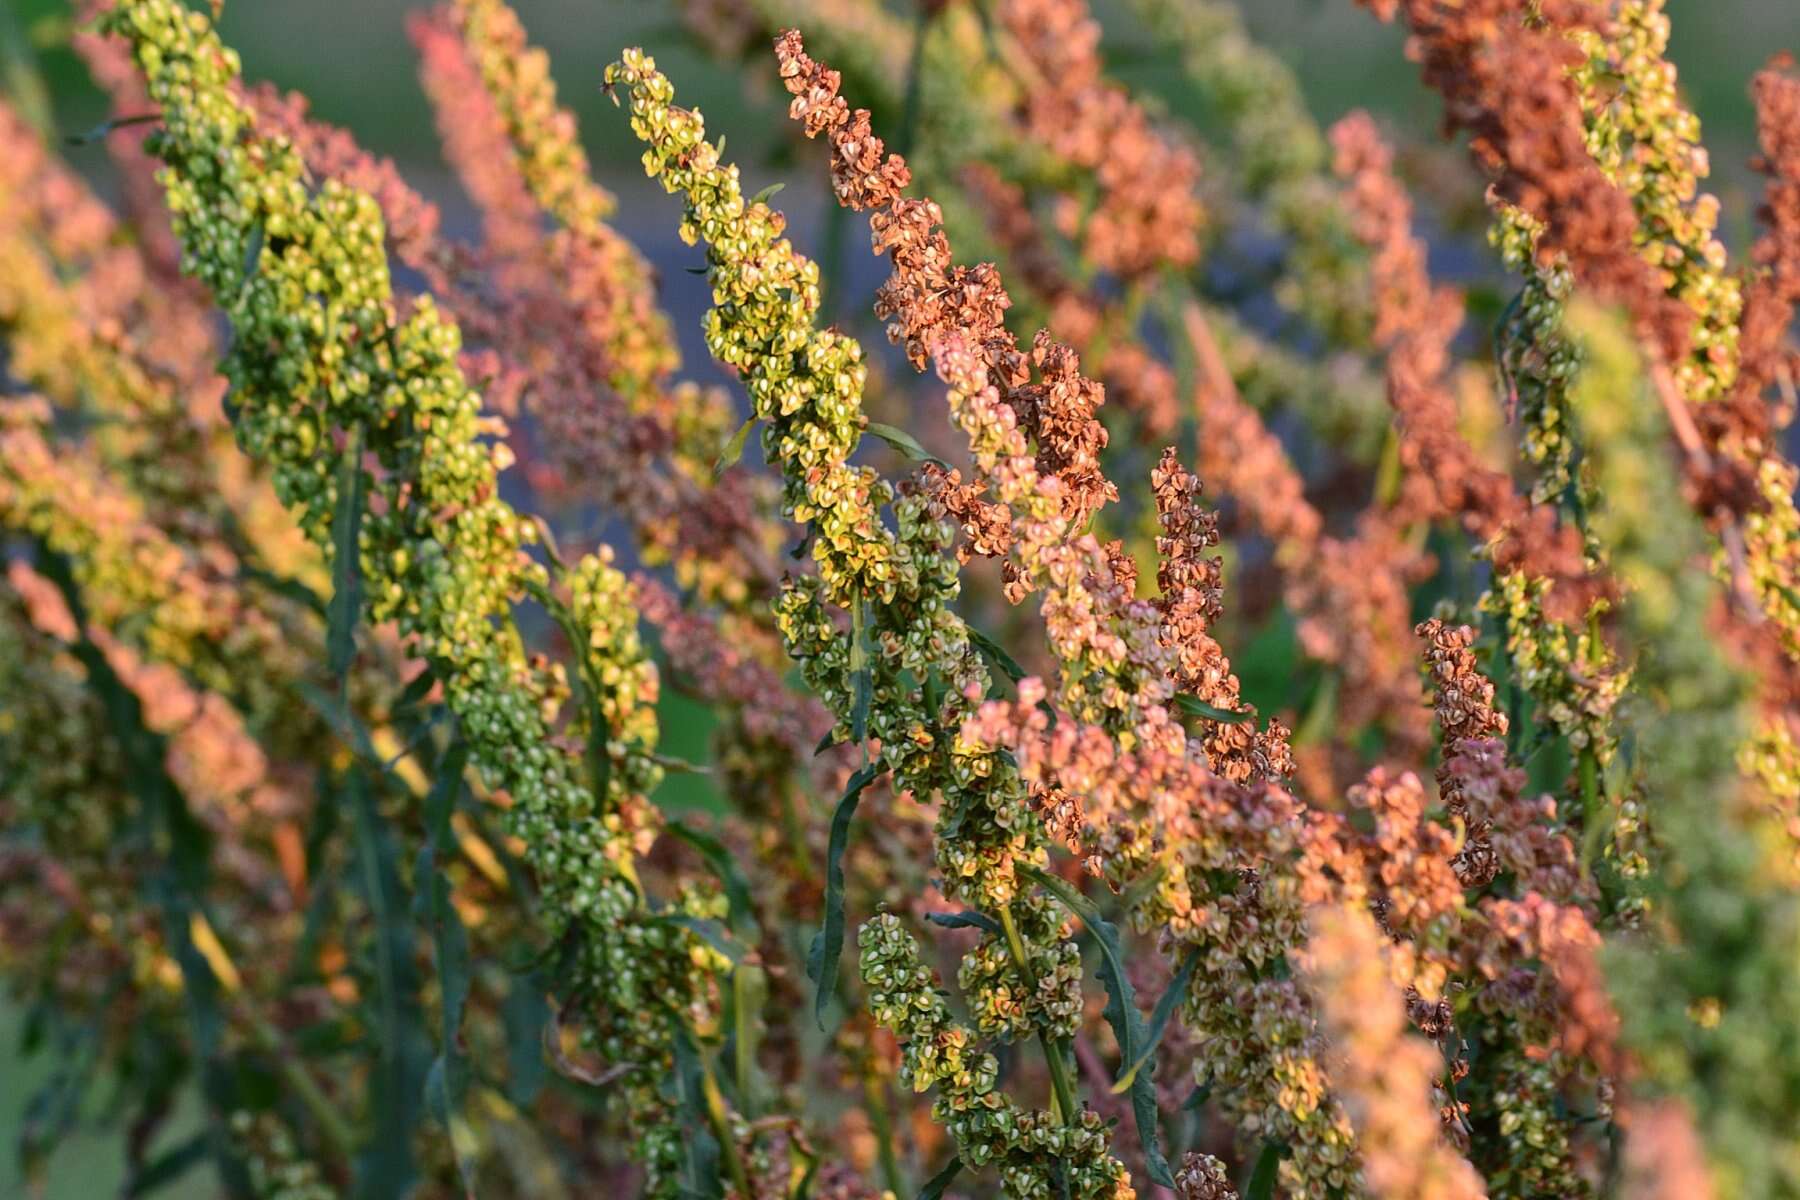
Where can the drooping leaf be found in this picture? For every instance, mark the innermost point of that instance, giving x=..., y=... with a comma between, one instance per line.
x=674, y=765
x=967, y=920
x=1199, y=1096
x=734, y=449
x=105, y=128
x=1122, y=1014
x=281, y=585
x=703, y=1176
x=415, y=692
x=903, y=442
x=1212, y=712
x=346, y=565
x=385, y=1166
x=169, y=1166
x=828, y=944
x=1159, y=1020
x=446, y=1083
x=996, y=654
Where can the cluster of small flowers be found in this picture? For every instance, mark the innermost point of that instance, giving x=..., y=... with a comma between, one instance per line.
x=1298, y=927
x=1191, y=586
x=1710, y=825
x=1765, y=359
x=319, y=347
x=1349, y=595
x=952, y=316
x=1135, y=380
x=1384, y=1075
x=1028, y=1149
x=1415, y=323
x=1147, y=214
x=577, y=316
x=806, y=385
x=278, y=1166
x=1508, y=83
x=1273, y=153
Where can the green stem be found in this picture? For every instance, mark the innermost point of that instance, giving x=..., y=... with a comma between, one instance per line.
x=744, y=1048
x=324, y=1109
x=1588, y=770
x=720, y=1118
x=875, y=1096
x=1061, y=1086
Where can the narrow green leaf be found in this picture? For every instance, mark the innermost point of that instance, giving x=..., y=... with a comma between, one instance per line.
x=861, y=673
x=967, y=920
x=385, y=1165
x=416, y=691
x=934, y=1187
x=346, y=566
x=587, y=694
x=903, y=442
x=1262, y=1176
x=745, y=1000
x=448, y=1111
x=828, y=945
x=737, y=888
x=291, y=589
x=440, y=802
x=1200, y=1095
x=734, y=449
x=703, y=1168
x=1201, y=708
x=169, y=1166
x=1159, y=1021
x=679, y=766
x=995, y=653
x=447, y=1081
x=1122, y=1014
x=525, y=1015
x=105, y=128
x=767, y=194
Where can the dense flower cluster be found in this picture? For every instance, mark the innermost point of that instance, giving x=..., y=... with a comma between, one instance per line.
x=433, y=825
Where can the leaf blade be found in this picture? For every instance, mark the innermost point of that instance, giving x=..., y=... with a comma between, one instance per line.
x=1121, y=1013
x=828, y=944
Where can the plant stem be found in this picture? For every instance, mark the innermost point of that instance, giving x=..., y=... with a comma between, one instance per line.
x=721, y=1122
x=1061, y=1086
x=744, y=1049
x=875, y=1095
x=323, y=1109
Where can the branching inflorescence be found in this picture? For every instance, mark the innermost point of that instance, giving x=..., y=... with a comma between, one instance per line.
x=1365, y=813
